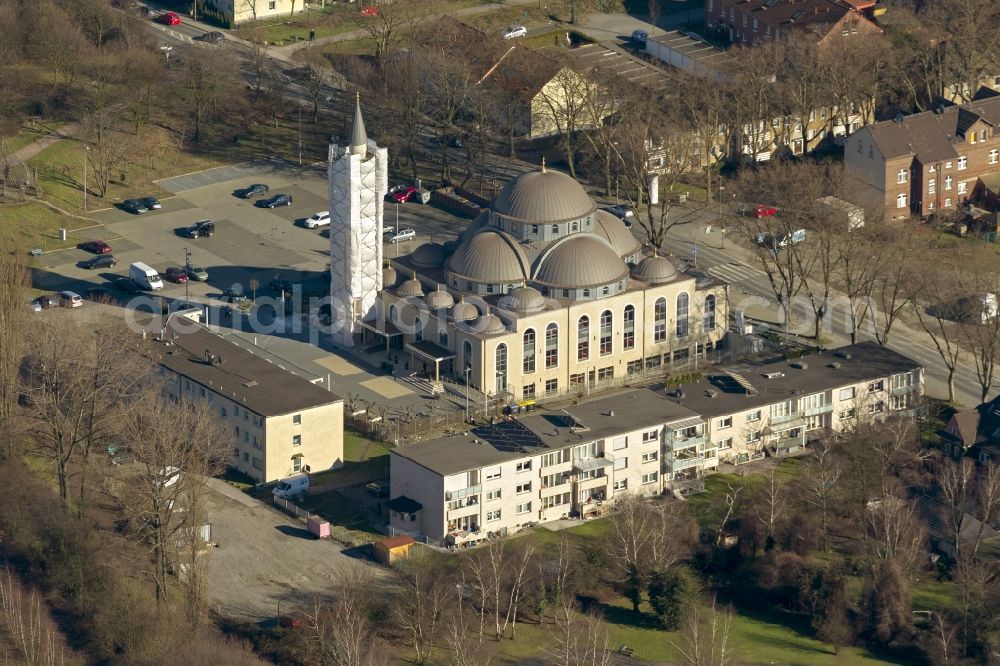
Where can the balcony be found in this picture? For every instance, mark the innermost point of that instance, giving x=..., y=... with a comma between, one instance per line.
x=464, y=492
x=596, y=482
x=562, y=486
x=902, y=390
x=462, y=511
x=678, y=464
x=785, y=418
x=816, y=411
x=675, y=443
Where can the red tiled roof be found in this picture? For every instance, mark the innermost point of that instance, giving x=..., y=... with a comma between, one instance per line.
x=397, y=542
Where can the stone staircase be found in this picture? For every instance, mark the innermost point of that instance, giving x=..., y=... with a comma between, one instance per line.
x=426, y=386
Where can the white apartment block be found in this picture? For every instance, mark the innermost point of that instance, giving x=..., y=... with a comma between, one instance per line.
x=572, y=462
x=240, y=11
x=281, y=423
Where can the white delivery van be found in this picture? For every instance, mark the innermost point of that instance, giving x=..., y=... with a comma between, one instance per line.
x=293, y=486
x=145, y=276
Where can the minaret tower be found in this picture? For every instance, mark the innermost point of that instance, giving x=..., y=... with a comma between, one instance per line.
x=358, y=175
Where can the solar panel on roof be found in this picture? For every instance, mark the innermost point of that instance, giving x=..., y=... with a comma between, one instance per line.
x=512, y=436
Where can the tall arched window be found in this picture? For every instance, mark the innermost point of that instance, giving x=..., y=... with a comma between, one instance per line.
x=607, y=324
x=628, y=327
x=660, y=320
x=682, y=315
x=583, y=339
x=528, y=351
x=501, y=368
x=467, y=353
x=393, y=314
x=709, y=314
x=551, y=346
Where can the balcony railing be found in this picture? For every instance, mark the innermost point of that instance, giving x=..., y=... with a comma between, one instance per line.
x=816, y=411
x=464, y=492
x=679, y=464
x=785, y=417
x=901, y=390
x=684, y=442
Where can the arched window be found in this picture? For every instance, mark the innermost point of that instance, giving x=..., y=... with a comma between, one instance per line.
x=709, y=314
x=393, y=314
x=682, y=315
x=660, y=320
x=555, y=229
x=501, y=368
x=551, y=346
x=607, y=323
x=528, y=351
x=443, y=339
x=628, y=327
x=583, y=339
x=586, y=293
x=467, y=353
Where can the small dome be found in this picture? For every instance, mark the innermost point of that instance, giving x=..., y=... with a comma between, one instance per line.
x=523, y=300
x=580, y=261
x=488, y=324
x=543, y=196
x=655, y=270
x=389, y=278
x=463, y=311
x=616, y=233
x=428, y=255
x=489, y=256
x=410, y=288
x=439, y=299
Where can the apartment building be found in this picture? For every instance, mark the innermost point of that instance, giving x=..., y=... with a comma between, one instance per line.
x=925, y=162
x=281, y=423
x=574, y=461
x=753, y=21
x=241, y=11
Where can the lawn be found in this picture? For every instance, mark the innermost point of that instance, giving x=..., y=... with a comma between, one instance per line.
x=30, y=133
x=365, y=460
x=35, y=225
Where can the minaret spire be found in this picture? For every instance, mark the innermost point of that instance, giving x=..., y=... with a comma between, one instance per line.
x=359, y=138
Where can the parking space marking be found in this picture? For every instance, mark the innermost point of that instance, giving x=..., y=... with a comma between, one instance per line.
x=386, y=387
x=339, y=366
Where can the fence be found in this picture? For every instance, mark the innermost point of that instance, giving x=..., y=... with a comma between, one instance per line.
x=343, y=535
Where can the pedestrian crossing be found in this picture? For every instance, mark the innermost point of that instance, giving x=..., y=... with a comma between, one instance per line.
x=735, y=272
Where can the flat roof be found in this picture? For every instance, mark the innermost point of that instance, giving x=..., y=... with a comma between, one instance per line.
x=624, y=66
x=696, y=49
x=243, y=377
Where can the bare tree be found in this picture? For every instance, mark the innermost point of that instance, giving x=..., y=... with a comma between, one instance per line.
x=818, y=484
x=564, y=108
x=732, y=502
x=13, y=326
x=706, y=637
x=29, y=626
x=344, y=629
x=935, y=302
x=424, y=592
x=769, y=504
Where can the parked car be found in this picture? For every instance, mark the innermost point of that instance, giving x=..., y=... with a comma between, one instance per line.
x=233, y=294
x=621, y=211
x=277, y=200
x=134, y=206
x=168, y=18
x=176, y=274
x=70, y=299
x=378, y=488
x=321, y=219
x=151, y=203
x=96, y=246
x=128, y=285
x=211, y=37
x=100, y=261
x=404, y=193
x=43, y=303
x=640, y=37
x=255, y=190
x=296, y=485
x=201, y=228
x=403, y=235
x=763, y=210
x=515, y=31
x=196, y=273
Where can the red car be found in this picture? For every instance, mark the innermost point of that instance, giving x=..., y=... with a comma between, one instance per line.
x=169, y=18
x=175, y=274
x=96, y=246
x=403, y=194
x=764, y=211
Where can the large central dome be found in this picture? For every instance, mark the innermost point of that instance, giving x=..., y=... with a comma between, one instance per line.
x=544, y=196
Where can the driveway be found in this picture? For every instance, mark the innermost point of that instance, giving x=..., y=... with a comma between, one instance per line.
x=266, y=559
x=612, y=27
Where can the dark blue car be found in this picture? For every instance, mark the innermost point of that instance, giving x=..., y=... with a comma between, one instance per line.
x=277, y=200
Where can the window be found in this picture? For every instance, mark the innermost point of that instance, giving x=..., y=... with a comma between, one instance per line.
x=492, y=495
x=846, y=393
x=501, y=368
x=726, y=443
x=651, y=456
x=994, y=156
x=528, y=351
x=753, y=437
x=650, y=436
x=628, y=327
x=633, y=367
x=222, y=412
x=901, y=176
x=847, y=414
x=619, y=443
x=682, y=315
x=708, y=316
x=551, y=347
x=962, y=187
x=236, y=412
x=651, y=477
x=972, y=136
x=523, y=466
x=493, y=515
x=551, y=386
x=931, y=186
x=875, y=386
x=575, y=226
x=467, y=352
x=555, y=458
x=271, y=4
x=297, y=419
x=604, y=374
x=724, y=423
x=583, y=338
x=753, y=416
x=876, y=407
x=491, y=473
x=902, y=401
x=528, y=391
x=296, y=440
x=586, y=293
x=947, y=203
x=555, y=500
x=552, y=480
x=578, y=379
x=963, y=163
x=606, y=328
x=523, y=508
x=246, y=457
x=660, y=320
x=781, y=409
x=246, y=437
x=901, y=201
x=620, y=484
x=296, y=463
x=523, y=488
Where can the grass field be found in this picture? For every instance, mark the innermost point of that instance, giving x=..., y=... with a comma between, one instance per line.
x=29, y=134
x=35, y=225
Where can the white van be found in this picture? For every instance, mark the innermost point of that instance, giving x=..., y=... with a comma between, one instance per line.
x=145, y=276
x=293, y=486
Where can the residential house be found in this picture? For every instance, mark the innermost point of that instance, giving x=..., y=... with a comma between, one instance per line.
x=241, y=11
x=753, y=21
x=575, y=461
x=974, y=432
x=281, y=423
x=926, y=162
